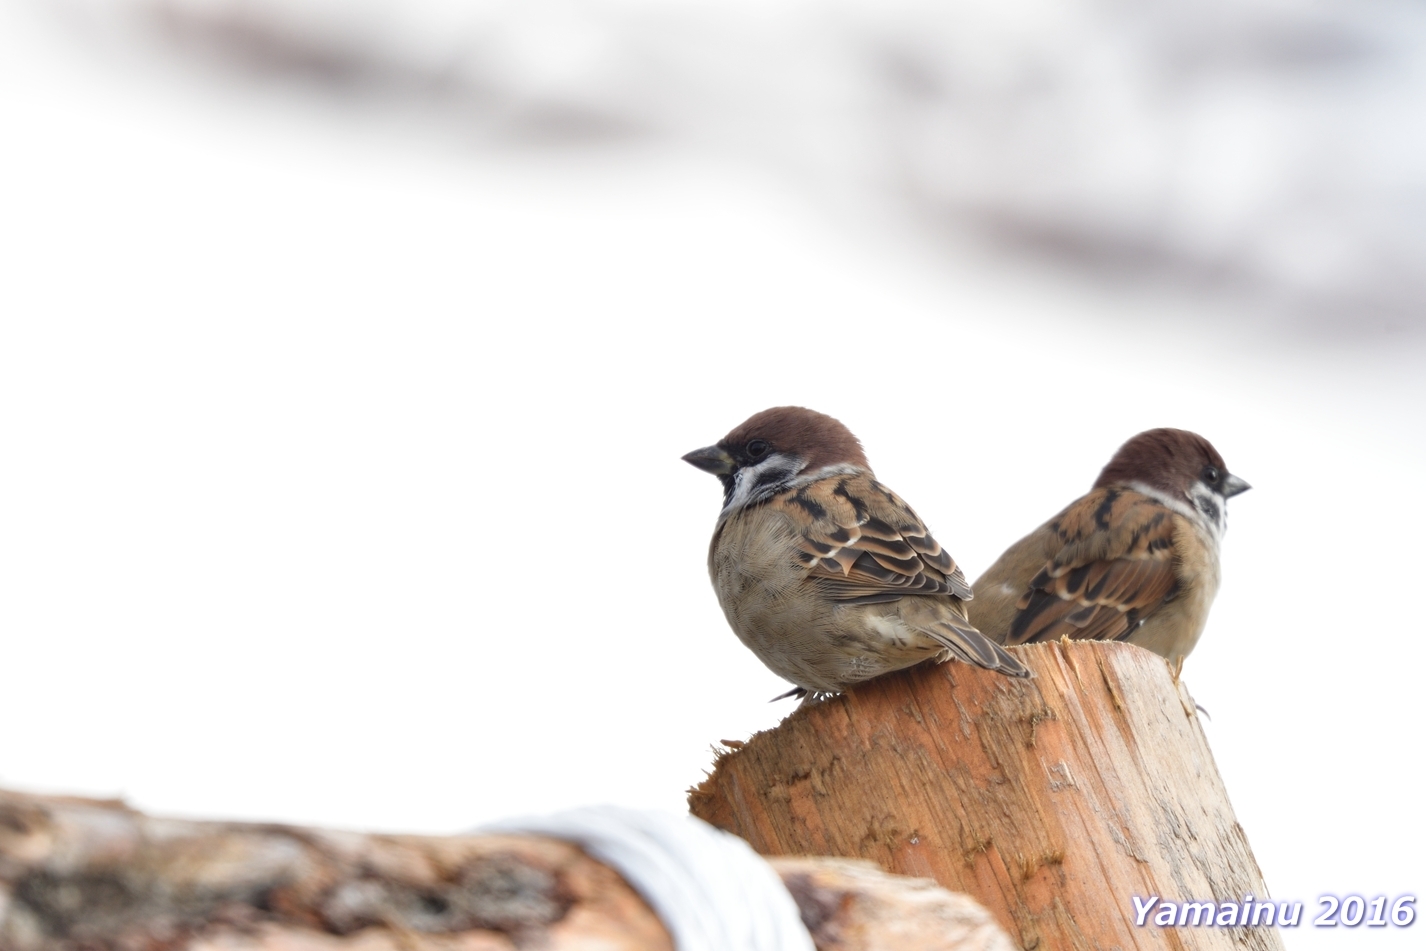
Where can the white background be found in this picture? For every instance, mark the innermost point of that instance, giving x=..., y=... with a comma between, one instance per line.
x=340, y=478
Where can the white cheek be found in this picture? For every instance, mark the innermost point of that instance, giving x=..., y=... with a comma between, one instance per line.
x=1212, y=509
x=752, y=484
x=1213, y=528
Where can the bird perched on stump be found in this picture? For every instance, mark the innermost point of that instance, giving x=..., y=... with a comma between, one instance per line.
x=1134, y=560
x=822, y=571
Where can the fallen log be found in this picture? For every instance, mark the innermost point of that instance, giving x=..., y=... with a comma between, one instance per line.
x=88, y=875
x=1051, y=801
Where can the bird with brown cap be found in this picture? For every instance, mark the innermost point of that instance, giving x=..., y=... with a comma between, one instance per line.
x=1135, y=559
x=822, y=571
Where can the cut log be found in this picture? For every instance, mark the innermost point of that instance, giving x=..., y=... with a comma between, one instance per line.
x=851, y=905
x=87, y=875
x=1052, y=801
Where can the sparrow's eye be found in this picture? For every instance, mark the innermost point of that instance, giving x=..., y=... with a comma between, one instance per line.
x=1211, y=475
x=757, y=448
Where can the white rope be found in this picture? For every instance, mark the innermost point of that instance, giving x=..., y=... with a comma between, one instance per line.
x=712, y=891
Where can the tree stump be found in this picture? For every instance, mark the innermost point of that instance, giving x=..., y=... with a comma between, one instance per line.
x=1052, y=801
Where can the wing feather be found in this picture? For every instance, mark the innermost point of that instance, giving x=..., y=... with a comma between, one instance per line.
x=864, y=545
x=1116, y=566
x=864, y=541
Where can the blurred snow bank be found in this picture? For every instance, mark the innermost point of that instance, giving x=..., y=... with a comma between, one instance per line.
x=1270, y=147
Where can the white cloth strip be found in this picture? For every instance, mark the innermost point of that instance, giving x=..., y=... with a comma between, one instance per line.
x=712, y=891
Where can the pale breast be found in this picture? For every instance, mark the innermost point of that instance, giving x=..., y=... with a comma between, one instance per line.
x=798, y=633
x=760, y=586
x=1173, y=630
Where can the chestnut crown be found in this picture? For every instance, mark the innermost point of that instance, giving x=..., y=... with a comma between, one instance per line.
x=818, y=439
x=1172, y=461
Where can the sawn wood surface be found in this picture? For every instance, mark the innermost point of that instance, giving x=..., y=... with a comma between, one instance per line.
x=1051, y=801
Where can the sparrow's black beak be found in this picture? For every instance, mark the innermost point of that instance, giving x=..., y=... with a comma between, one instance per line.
x=711, y=459
x=1233, y=486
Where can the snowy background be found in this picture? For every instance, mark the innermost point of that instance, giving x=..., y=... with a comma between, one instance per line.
x=347, y=351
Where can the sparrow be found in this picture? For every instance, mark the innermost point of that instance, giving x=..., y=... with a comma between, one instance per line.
x=822, y=571
x=1134, y=560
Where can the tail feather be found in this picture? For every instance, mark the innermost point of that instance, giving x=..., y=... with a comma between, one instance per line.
x=968, y=644
x=798, y=692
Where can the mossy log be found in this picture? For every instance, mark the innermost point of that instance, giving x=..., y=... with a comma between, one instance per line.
x=1052, y=801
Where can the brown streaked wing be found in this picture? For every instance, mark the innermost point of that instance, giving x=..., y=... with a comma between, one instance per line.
x=1116, y=568
x=863, y=543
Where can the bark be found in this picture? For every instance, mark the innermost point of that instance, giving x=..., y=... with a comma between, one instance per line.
x=87, y=875
x=1051, y=801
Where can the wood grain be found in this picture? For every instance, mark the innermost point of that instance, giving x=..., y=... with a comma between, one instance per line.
x=1050, y=801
